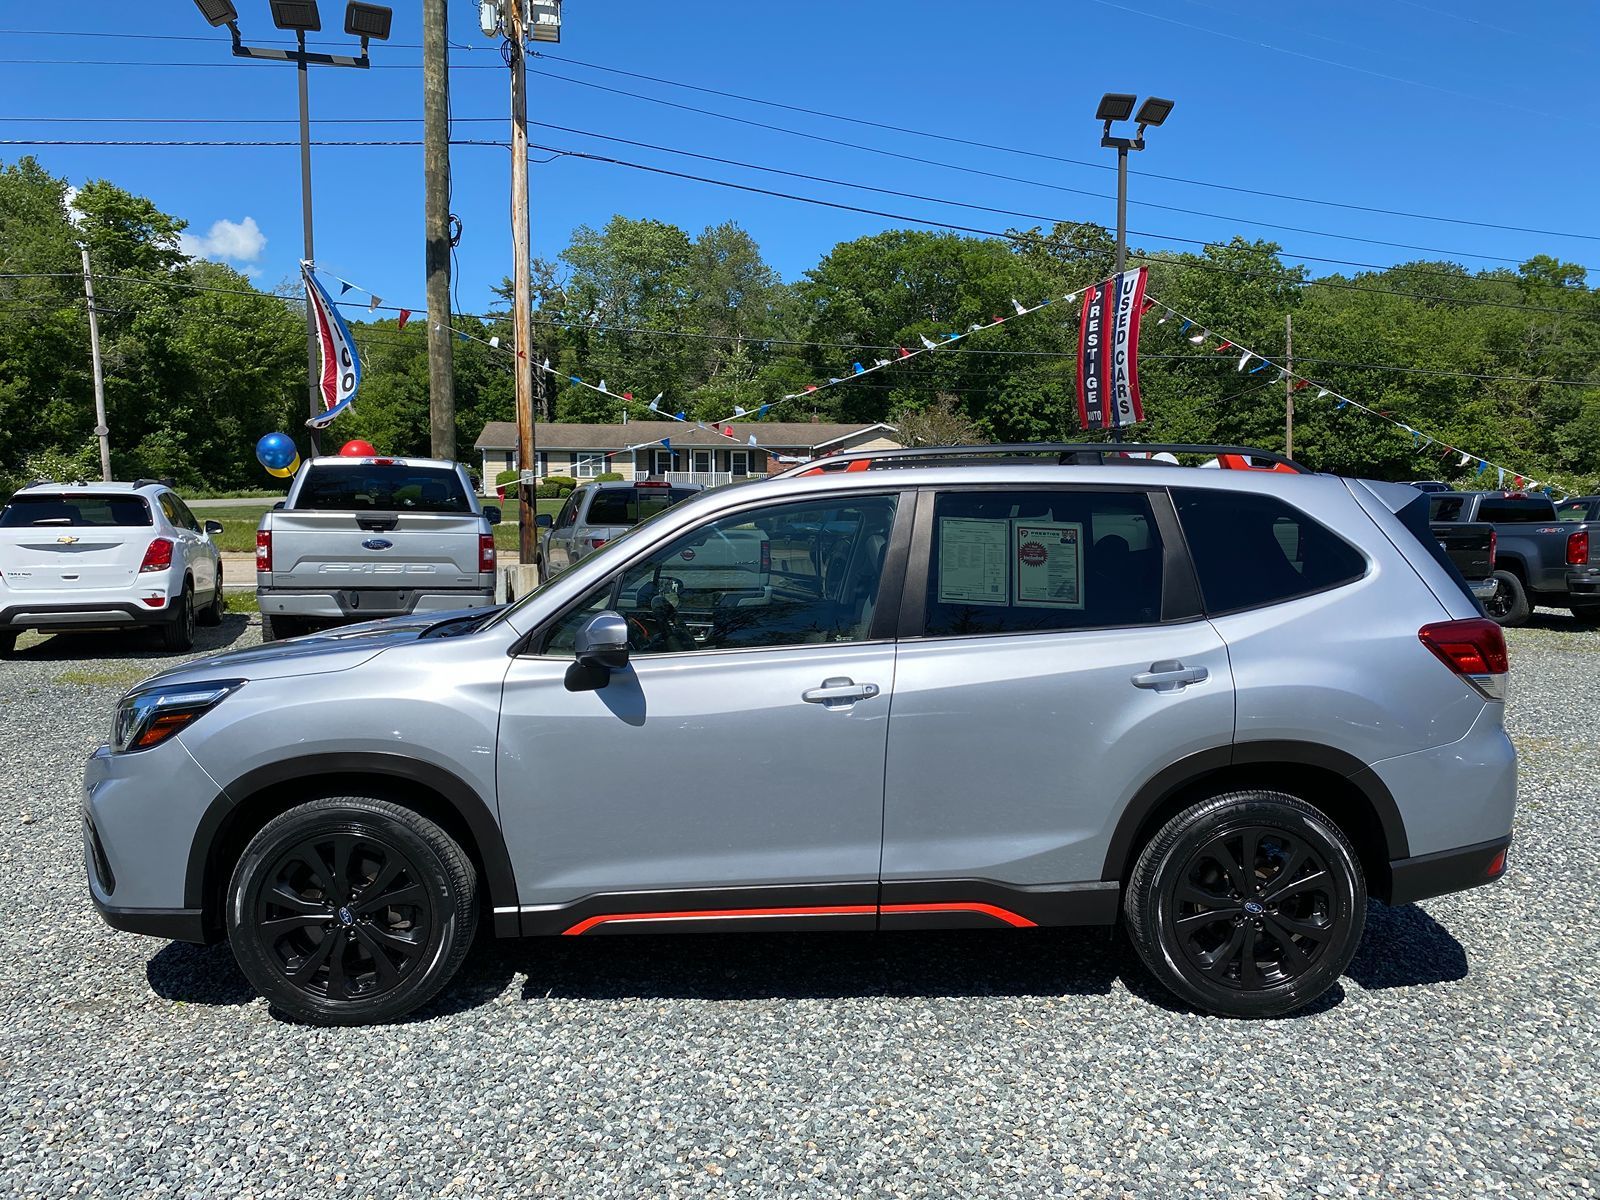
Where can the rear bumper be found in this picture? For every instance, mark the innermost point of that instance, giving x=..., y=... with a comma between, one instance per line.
x=92, y=614
x=361, y=604
x=1583, y=585
x=1482, y=589
x=1428, y=875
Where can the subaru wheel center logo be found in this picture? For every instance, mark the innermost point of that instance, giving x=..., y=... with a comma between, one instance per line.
x=377, y=544
x=1253, y=908
x=346, y=917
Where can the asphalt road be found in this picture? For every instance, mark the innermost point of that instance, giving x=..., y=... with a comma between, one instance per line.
x=1458, y=1057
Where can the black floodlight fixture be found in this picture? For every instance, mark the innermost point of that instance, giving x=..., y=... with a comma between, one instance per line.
x=1152, y=112
x=1115, y=106
x=368, y=21
x=297, y=16
x=217, y=12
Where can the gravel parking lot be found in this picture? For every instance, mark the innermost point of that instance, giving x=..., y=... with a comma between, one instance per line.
x=1458, y=1057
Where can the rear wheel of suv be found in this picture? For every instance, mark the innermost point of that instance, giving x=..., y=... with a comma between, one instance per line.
x=212, y=613
x=178, y=632
x=1249, y=904
x=351, y=911
x=1509, y=604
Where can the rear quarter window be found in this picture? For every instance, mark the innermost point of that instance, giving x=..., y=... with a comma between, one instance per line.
x=71, y=511
x=1253, y=550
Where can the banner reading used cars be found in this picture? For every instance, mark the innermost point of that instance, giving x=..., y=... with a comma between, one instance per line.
x=1108, y=352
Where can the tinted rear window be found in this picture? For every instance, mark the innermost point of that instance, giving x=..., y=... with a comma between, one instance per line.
x=392, y=488
x=1252, y=550
x=73, y=510
x=1446, y=508
x=1499, y=510
x=629, y=506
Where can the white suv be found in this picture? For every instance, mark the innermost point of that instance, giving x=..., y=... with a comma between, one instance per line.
x=106, y=555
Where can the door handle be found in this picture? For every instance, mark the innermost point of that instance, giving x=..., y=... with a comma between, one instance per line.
x=1170, y=675
x=839, y=692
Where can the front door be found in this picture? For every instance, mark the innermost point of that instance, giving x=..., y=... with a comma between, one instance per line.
x=732, y=772
x=1058, y=662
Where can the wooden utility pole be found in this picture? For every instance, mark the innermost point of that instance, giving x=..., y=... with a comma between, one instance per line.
x=436, y=175
x=1288, y=386
x=522, y=282
x=101, y=429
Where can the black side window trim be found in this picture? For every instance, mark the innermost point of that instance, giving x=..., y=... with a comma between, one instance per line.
x=1180, y=589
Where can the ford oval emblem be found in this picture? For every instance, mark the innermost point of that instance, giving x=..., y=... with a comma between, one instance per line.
x=377, y=543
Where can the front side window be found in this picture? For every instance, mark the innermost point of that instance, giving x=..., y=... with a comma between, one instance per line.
x=787, y=575
x=1252, y=550
x=569, y=510
x=1037, y=561
x=1445, y=508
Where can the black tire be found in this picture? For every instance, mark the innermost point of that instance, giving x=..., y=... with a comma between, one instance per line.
x=8, y=642
x=178, y=633
x=211, y=614
x=1589, y=614
x=1509, y=604
x=1223, y=934
x=363, y=960
x=276, y=628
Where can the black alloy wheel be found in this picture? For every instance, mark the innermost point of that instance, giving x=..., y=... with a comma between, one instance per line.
x=351, y=910
x=1508, y=605
x=1249, y=904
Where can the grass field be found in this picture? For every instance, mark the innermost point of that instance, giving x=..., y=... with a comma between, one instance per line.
x=239, y=523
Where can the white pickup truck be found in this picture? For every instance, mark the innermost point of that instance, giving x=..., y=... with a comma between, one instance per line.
x=362, y=538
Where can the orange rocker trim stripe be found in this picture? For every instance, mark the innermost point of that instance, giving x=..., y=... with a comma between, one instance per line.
x=990, y=910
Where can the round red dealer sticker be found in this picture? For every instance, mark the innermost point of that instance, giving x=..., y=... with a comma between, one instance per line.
x=1032, y=554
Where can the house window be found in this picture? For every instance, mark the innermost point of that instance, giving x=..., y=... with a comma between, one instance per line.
x=587, y=466
x=663, y=462
x=702, y=461
x=739, y=463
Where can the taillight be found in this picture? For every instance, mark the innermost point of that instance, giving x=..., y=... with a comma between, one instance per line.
x=486, y=552
x=158, y=557
x=766, y=556
x=1474, y=649
x=596, y=543
x=1494, y=542
x=1578, y=548
x=263, y=550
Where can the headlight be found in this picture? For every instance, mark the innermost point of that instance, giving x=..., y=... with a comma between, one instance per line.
x=148, y=718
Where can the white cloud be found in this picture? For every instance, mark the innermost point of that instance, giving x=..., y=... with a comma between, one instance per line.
x=236, y=241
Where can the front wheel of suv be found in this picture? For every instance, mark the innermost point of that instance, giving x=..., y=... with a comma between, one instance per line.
x=1249, y=904
x=351, y=911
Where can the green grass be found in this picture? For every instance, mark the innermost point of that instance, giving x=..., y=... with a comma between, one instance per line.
x=241, y=602
x=505, y=533
x=121, y=676
x=267, y=494
x=238, y=534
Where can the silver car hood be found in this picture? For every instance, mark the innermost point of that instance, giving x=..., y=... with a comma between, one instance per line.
x=315, y=654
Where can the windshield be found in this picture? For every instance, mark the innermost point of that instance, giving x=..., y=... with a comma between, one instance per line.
x=74, y=510
x=391, y=487
x=606, y=553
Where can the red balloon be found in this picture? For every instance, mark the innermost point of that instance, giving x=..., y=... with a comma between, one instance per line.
x=357, y=449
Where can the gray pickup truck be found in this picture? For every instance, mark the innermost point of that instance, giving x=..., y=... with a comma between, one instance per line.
x=361, y=538
x=1538, y=559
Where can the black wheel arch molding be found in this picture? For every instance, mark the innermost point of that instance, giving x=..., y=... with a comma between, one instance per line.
x=1223, y=766
x=204, y=877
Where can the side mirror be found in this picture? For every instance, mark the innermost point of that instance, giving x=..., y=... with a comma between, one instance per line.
x=543, y=521
x=213, y=528
x=279, y=505
x=602, y=642
x=493, y=513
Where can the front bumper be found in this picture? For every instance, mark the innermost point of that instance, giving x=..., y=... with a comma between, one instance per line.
x=362, y=604
x=1428, y=875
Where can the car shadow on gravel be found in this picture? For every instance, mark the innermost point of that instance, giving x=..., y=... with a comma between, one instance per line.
x=193, y=974
x=130, y=644
x=1405, y=947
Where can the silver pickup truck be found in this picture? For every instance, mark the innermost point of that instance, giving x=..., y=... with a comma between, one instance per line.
x=361, y=538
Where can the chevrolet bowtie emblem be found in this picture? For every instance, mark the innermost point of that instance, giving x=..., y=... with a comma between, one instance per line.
x=66, y=539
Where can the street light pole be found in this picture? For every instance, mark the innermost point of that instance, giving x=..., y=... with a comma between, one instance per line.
x=312, y=382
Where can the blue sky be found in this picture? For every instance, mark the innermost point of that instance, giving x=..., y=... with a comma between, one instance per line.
x=1452, y=108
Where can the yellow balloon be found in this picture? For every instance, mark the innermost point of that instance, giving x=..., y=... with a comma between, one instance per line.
x=285, y=472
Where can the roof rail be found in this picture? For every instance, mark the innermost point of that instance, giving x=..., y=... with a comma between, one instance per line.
x=1067, y=454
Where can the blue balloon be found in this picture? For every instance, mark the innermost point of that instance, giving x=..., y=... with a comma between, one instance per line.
x=276, y=451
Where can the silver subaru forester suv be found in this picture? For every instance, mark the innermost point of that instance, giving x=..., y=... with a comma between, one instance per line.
x=988, y=688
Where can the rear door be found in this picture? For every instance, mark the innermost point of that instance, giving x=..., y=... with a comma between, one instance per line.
x=76, y=540
x=1052, y=659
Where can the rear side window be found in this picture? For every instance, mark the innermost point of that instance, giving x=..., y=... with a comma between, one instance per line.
x=390, y=487
x=629, y=506
x=1020, y=562
x=1251, y=550
x=1498, y=510
x=74, y=510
